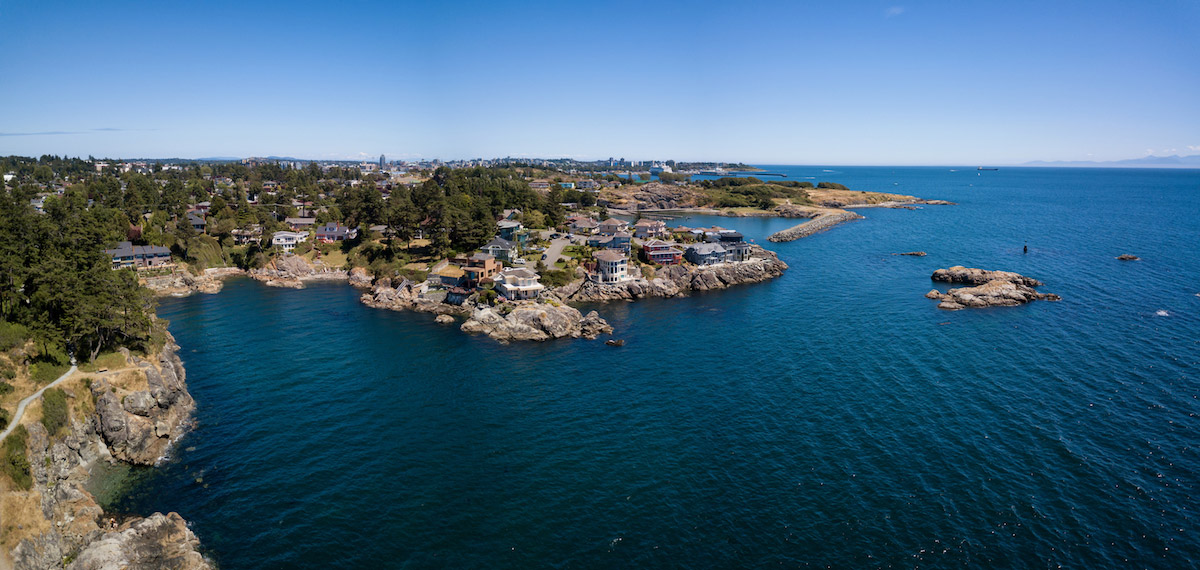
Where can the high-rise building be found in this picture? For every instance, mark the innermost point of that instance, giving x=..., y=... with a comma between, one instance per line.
x=382, y=161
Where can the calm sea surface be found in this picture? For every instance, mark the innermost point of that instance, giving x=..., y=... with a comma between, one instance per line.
x=832, y=417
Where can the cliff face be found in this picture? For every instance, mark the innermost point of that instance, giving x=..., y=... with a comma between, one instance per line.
x=135, y=424
x=676, y=280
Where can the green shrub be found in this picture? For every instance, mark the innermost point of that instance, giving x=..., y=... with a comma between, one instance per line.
x=13, y=461
x=556, y=277
x=831, y=185
x=3, y=418
x=54, y=410
x=46, y=372
x=12, y=335
x=6, y=388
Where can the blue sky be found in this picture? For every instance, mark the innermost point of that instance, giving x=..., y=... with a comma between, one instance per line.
x=764, y=82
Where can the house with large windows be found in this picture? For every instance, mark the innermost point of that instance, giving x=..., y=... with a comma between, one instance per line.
x=518, y=283
x=611, y=266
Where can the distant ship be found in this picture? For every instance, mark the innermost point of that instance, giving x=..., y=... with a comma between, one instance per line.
x=717, y=172
x=982, y=168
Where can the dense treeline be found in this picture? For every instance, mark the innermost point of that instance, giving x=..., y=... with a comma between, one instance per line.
x=56, y=281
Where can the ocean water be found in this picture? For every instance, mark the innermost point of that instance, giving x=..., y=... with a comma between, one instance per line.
x=832, y=417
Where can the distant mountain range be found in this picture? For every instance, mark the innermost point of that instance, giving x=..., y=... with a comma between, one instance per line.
x=1177, y=161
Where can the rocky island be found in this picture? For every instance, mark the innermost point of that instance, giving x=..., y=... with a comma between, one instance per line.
x=988, y=289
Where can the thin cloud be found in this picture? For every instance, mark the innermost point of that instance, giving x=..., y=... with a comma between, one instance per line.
x=40, y=134
x=893, y=11
x=1194, y=147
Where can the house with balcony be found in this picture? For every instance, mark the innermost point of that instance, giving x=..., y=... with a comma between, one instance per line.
x=662, y=252
x=129, y=256
x=584, y=225
x=287, y=241
x=334, y=231
x=298, y=224
x=478, y=268
x=611, y=266
x=647, y=228
x=518, y=283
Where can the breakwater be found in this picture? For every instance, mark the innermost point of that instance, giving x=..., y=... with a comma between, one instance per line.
x=817, y=224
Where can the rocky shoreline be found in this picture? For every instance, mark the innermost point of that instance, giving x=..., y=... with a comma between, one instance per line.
x=678, y=280
x=132, y=422
x=988, y=289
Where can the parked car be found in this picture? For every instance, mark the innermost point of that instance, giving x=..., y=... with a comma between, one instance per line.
x=543, y=256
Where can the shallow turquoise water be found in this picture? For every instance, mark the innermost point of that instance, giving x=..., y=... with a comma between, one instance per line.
x=832, y=417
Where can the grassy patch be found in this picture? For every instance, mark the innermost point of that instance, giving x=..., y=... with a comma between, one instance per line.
x=109, y=360
x=12, y=335
x=13, y=461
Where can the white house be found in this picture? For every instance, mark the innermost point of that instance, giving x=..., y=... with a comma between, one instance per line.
x=611, y=226
x=288, y=240
x=518, y=283
x=611, y=266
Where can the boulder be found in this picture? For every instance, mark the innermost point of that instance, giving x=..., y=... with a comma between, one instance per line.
x=974, y=276
x=535, y=321
x=1128, y=257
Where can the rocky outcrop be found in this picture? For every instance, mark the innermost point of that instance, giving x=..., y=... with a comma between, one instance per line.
x=973, y=276
x=127, y=425
x=182, y=283
x=138, y=426
x=676, y=280
x=990, y=289
x=157, y=541
x=292, y=271
x=912, y=253
x=536, y=321
x=359, y=277
x=406, y=296
x=1128, y=257
x=817, y=224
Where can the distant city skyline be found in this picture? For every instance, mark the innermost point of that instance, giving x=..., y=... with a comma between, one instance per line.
x=872, y=83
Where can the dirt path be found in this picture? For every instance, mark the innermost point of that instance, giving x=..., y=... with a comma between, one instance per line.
x=16, y=419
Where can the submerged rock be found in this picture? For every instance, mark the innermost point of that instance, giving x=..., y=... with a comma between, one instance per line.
x=1128, y=257
x=991, y=289
x=912, y=253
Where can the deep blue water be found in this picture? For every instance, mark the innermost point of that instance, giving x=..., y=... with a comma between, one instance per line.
x=832, y=417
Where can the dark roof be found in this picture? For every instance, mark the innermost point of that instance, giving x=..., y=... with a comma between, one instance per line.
x=196, y=220
x=127, y=249
x=501, y=243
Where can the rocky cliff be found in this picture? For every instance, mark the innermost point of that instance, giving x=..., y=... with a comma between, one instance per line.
x=676, y=280
x=182, y=283
x=990, y=289
x=405, y=296
x=134, y=422
x=536, y=321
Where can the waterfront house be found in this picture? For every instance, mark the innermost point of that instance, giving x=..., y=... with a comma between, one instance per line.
x=736, y=248
x=297, y=224
x=706, y=253
x=662, y=252
x=647, y=228
x=197, y=223
x=450, y=275
x=479, y=268
x=126, y=255
x=501, y=248
x=287, y=241
x=518, y=283
x=612, y=226
x=456, y=295
x=334, y=231
x=611, y=266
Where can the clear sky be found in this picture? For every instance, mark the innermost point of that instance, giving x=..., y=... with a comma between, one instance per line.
x=765, y=82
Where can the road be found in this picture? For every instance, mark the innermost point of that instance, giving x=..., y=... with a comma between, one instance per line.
x=16, y=419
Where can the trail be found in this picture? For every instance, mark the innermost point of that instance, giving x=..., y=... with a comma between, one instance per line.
x=16, y=419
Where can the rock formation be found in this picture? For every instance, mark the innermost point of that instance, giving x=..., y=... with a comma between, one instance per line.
x=182, y=283
x=990, y=289
x=912, y=253
x=405, y=296
x=128, y=425
x=293, y=270
x=1128, y=257
x=536, y=321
